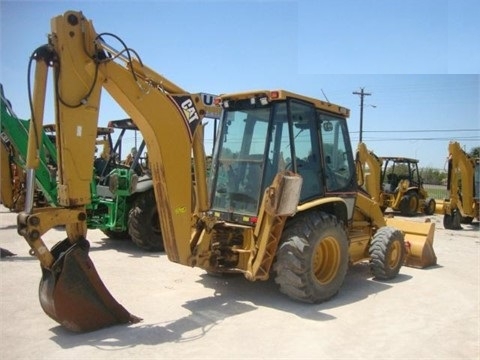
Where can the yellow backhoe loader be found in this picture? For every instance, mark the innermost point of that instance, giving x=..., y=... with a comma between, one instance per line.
x=395, y=182
x=463, y=184
x=282, y=196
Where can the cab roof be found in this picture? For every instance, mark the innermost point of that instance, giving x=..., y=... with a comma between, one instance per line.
x=398, y=159
x=275, y=95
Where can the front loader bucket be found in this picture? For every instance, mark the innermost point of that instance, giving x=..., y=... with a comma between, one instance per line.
x=418, y=242
x=72, y=293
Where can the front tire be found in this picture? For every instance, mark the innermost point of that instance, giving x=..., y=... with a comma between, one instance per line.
x=144, y=223
x=430, y=206
x=387, y=253
x=312, y=259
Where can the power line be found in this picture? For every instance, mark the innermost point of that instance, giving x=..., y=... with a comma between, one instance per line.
x=415, y=131
x=464, y=138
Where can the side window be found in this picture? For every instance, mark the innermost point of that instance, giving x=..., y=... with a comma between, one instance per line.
x=339, y=167
x=307, y=155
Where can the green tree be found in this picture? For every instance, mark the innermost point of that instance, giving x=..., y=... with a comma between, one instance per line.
x=475, y=152
x=433, y=176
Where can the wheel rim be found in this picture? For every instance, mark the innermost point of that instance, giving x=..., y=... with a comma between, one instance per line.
x=326, y=260
x=413, y=204
x=394, y=254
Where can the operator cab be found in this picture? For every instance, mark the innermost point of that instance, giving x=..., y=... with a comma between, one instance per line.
x=396, y=169
x=262, y=134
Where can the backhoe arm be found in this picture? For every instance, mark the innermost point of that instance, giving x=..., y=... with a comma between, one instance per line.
x=167, y=121
x=372, y=179
x=460, y=164
x=166, y=116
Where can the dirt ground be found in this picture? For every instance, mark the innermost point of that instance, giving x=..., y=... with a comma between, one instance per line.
x=422, y=314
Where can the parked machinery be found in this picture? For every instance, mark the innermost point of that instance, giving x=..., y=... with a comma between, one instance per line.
x=395, y=182
x=463, y=185
x=124, y=204
x=122, y=198
x=282, y=197
x=13, y=148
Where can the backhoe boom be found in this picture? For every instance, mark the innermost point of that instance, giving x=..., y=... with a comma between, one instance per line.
x=82, y=67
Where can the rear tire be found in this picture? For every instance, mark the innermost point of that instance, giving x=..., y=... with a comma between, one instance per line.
x=387, y=253
x=312, y=260
x=144, y=223
x=409, y=204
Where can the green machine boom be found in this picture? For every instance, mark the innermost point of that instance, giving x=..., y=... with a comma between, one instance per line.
x=14, y=135
x=120, y=193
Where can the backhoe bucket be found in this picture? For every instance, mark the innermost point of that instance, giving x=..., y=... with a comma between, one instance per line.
x=418, y=242
x=72, y=293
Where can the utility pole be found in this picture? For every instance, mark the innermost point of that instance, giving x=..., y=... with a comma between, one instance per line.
x=362, y=94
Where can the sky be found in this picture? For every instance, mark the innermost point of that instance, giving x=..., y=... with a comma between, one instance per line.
x=418, y=59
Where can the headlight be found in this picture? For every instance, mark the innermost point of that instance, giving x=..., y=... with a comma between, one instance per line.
x=133, y=183
x=113, y=183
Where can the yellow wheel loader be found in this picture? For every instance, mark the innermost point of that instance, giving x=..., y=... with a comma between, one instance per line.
x=463, y=183
x=282, y=196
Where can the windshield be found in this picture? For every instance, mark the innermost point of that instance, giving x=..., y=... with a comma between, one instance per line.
x=239, y=170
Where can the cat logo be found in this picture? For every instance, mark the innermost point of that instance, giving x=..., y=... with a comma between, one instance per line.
x=190, y=111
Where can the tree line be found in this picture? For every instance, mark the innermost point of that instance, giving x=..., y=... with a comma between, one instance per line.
x=439, y=177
